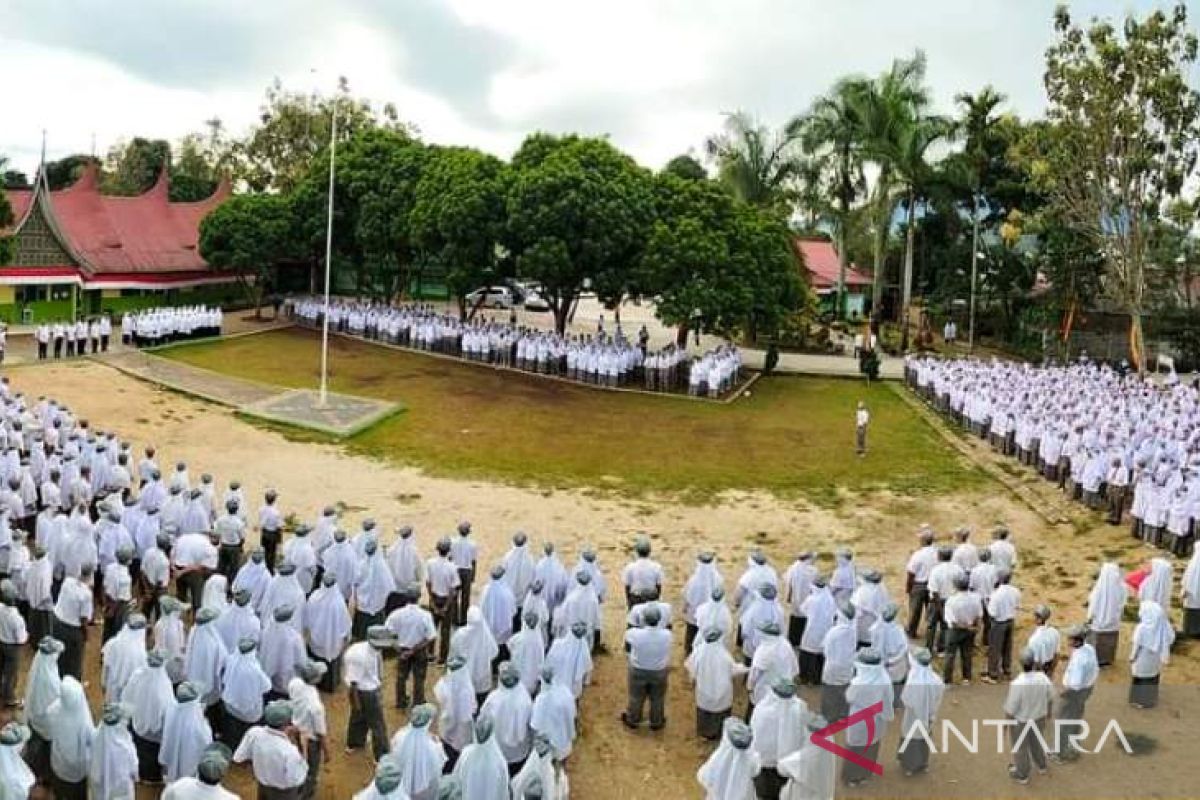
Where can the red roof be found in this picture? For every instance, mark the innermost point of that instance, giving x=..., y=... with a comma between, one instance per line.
x=146, y=233
x=19, y=200
x=821, y=259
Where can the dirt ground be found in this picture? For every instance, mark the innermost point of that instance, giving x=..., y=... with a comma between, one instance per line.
x=609, y=761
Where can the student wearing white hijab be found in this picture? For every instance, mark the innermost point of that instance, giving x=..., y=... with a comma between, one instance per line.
x=386, y=785
x=527, y=651
x=760, y=608
x=299, y=552
x=1106, y=603
x=475, y=643
x=170, y=635
x=729, y=772
x=405, y=561
x=811, y=771
x=868, y=599
x=310, y=722
x=519, y=566
x=205, y=657
x=243, y=687
x=327, y=624
x=571, y=658
x=840, y=645
x=419, y=755
x=510, y=709
x=554, y=714
x=712, y=669
x=148, y=693
x=71, y=735
x=239, y=621
x=482, y=770
x=921, y=697
x=281, y=650
x=773, y=661
x=870, y=685
x=340, y=560
x=580, y=605
x=1189, y=597
x=456, y=704
x=541, y=770
x=283, y=590
x=696, y=592
x=185, y=734
x=114, y=769
x=844, y=581
x=16, y=779
x=758, y=573
x=499, y=608
x=715, y=613
x=41, y=692
x=216, y=593
x=778, y=723
x=373, y=587
x=254, y=577
x=1152, y=640
x=1157, y=585
x=121, y=656
x=890, y=641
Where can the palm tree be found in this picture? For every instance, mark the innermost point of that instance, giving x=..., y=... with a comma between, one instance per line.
x=831, y=130
x=978, y=123
x=886, y=106
x=756, y=164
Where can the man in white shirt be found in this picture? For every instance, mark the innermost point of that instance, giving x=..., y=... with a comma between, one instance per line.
x=1004, y=555
x=643, y=577
x=1044, y=641
x=649, y=650
x=463, y=554
x=363, y=675
x=214, y=763
x=72, y=613
x=231, y=533
x=279, y=768
x=941, y=586
x=441, y=578
x=193, y=556
x=13, y=635
x=862, y=418
x=920, y=564
x=1002, y=609
x=270, y=523
x=1078, y=679
x=415, y=631
x=963, y=611
x=1028, y=702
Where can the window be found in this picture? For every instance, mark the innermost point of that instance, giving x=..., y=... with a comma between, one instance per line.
x=61, y=291
x=30, y=294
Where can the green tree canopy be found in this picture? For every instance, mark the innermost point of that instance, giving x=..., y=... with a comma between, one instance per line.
x=249, y=235
x=458, y=216
x=686, y=167
x=577, y=211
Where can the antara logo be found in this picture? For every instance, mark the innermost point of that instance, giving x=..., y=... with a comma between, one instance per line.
x=822, y=738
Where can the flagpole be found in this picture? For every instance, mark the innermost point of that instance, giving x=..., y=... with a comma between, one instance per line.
x=321, y=401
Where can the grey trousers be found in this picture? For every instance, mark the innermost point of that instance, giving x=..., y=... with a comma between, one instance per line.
x=270, y=793
x=71, y=660
x=1030, y=748
x=646, y=684
x=10, y=662
x=366, y=716
x=1070, y=714
x=1000, y=648
x=309, y=790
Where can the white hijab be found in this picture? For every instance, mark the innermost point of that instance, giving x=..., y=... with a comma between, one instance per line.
x=518, y=570
x=114, y=767
x=1107, y=599
x=283, y=590
x=498, y=606
x=774, y=660
x=71, y=732
x=185, y=735
x=699, y=587
x=373, y=584
x=122, y=655
x=205, y=658
x=254, y=577
x=712, y=669
x=475, y=643
x=729, y=772
x=527, y=654
x=483, y=771
x=571, y=658
x=1190, y=586
x=243, y=685
x=216, y=589
x=327, y=621
x=510, y=711
x=237, y=623
x=404, y=561
x=16, y=779
x=811, y=772
x=921, y=695
x=870, y=684
x=1154, y=631
x=456, y=707
x=1157, y=585
x=554, y=717
x=779, y=726
x=541, y=768
x=280, y=650
x=149, y=694
x=420, y=758
x=42, y=691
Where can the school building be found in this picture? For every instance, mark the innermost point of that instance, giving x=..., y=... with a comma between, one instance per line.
x=79, y=252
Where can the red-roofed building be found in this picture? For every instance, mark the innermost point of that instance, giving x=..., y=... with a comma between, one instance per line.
x=82, y=252
x=821, y=259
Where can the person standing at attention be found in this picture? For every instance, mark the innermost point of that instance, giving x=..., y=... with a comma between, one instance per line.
x=862, y=418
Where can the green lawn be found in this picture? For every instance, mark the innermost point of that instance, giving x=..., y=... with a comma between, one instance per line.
x=792, y=436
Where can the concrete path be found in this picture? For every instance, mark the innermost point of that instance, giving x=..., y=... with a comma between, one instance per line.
x=340, y=415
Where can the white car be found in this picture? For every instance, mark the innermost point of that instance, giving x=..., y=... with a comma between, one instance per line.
x=535, y=302
x=491, y=297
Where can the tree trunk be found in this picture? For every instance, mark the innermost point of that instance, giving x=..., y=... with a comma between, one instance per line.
x=974, y=269
x=882, y=223
x=681, y=335
x=1137, y=344
x=909, y=241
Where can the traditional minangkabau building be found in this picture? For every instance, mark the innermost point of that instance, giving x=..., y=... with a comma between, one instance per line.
x=80, y=252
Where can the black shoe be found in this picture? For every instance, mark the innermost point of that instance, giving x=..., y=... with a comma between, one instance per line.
x=625, y=721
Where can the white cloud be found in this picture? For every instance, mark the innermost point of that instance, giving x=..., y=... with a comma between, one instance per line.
x=653, y=74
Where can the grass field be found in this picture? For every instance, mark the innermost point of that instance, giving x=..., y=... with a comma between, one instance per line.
x=792, y=436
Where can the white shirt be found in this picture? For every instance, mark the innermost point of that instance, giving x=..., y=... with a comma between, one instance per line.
x=412, y=625
x=276, y=760
x=921, y=562
x=963, y=609
x=649, y=648
x=363, y=666
x=1029, y=696
x=643, y=576
x=193, y=789
x=1002, y=605
x=442, y=576
x=74, y=605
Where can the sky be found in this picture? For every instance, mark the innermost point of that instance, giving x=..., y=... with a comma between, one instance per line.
x=653, y=75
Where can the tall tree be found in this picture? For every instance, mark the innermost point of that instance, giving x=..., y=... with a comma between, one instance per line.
x=1127, y=137
x=458, y=216
x=62, y=173
x=687, y=167
x=293, y=129
x=757, y=164
x=249, y=235
x=132, y=167
x=832, y=131
x=577, y=210
x=6, y=219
